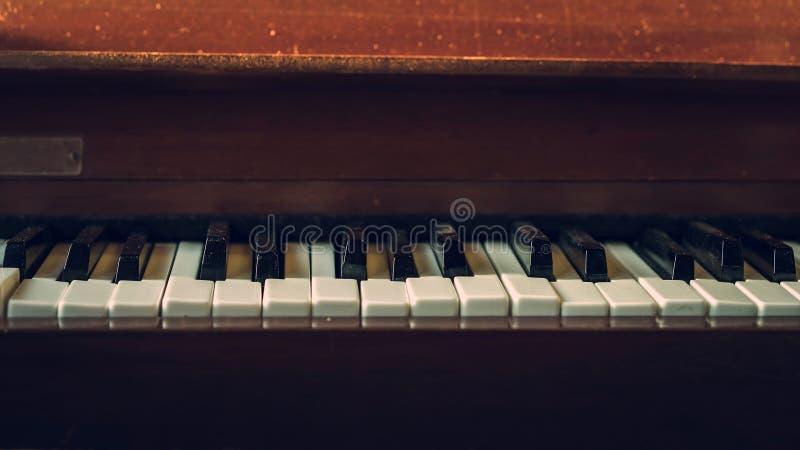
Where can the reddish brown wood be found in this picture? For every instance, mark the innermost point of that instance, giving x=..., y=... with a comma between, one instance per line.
x=656, y=30
x=394, y=198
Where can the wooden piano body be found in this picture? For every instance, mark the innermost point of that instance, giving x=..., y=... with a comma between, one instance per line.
x=612, y=114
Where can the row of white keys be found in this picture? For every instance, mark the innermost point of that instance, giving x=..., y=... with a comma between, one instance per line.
x=771, y=299
x=331, y=296
x=674, y=297
x=143, y=298
x=578, y=298
x=626, y=298
x=38, y=297
x=90, y=298
x=185, y=295
x=529, y=296
x=482, y=294
x=430, y=295
x=380, y=296
x=290, y=296
x=238, y=295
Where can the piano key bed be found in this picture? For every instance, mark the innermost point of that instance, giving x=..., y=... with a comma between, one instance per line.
x=705, y=279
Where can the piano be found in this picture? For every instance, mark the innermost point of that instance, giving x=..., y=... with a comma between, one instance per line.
x=373, y=223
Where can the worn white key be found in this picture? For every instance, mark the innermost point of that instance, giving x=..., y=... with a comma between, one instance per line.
x=143, y=298
x=185, y=295
x=481, y=295
x=237, y=295
x=430, y=295
x=381, y=297
x=330, y=296
x=529, y=296
x=53, y=264
x=578, y=298
x=9, y=281
x=722, y=299
x=291, y=295
x=673, y=297
x=624, y=295
x=90, y=298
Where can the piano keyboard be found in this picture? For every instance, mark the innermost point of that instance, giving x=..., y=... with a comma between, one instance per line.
x=708, y=278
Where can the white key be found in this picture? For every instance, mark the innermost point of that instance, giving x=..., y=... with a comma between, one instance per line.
x=624, y=295
x=237, y=296
x=143, y=298
x=53, y=264
x=9, y=280
x=38, y=297
x=578, y=298
x=722, y=299
x=430, y=295
x=2, y=251
x=185, y=295
x=381, y=297
x=240, y=262
x=770, y=298
x=291, y=295
x=629, y=260
x=673, y=297
x=481, y=295
x=330, y=296
x=83, y=300
x=529, y=296
x=106, y=266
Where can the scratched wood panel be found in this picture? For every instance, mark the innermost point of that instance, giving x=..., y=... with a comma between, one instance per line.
x=723, y=31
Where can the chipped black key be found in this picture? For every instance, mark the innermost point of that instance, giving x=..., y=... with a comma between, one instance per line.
x=770, y=256
x=353, y=255
x=449, y=251
x=214, y=264
x=267, y=259
x=133, y=258
x=533, y=249
x=718, y=252
x=585, y=254
x=27, y=249
x=84, y=251
x=669, y=259
x=401, y=260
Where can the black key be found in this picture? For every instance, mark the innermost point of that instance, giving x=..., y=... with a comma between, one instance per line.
x=770, y=256
x=27, y=249
x=133, y=258
x=718, y=252
x=267, y=259
x=353, y=255
x=585, y=254
x=401, y=262
x=533, y=250
x=214, y=265
x=449, y=251
x=669, y=259
x=83, y=253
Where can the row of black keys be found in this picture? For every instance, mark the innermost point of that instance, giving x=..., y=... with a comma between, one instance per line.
x=721, y=253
